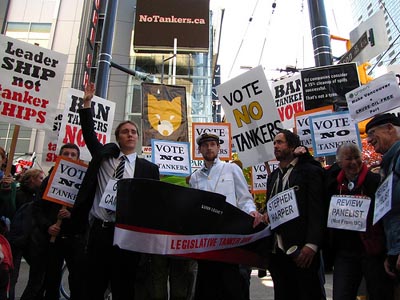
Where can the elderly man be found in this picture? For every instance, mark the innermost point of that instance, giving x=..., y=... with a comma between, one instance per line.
x=384, y=135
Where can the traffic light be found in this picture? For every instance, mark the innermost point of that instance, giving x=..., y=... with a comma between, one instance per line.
x=362, y=73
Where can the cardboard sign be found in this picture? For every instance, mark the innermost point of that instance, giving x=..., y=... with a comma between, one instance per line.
x=329, y=131
x=378, y=96
x=30, y=83
x=249, y=107
x=223, y=130
x=71, y=132
x=172, y=158
x=65, y=181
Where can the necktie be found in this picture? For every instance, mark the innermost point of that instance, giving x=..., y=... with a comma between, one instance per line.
x=119, y=171
x=281, y=174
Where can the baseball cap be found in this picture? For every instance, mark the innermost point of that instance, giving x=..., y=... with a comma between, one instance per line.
x=383, y=119
x=206, y=137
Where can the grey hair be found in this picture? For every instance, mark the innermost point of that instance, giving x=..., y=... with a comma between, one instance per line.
x=351, y=146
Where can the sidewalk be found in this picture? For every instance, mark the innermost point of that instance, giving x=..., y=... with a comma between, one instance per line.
x=262, y=288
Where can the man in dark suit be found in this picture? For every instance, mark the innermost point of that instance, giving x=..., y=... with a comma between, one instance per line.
x=295, y=209
x=107, y=264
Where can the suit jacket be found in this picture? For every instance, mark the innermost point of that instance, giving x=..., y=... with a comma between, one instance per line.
x=99, y=152
x=308, y=227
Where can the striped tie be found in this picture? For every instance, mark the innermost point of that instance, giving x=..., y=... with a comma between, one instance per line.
x=119, y=171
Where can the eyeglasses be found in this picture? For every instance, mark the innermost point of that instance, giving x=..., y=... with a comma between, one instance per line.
x=371, y=132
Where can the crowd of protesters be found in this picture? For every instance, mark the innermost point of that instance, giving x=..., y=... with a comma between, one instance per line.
x=46, y=234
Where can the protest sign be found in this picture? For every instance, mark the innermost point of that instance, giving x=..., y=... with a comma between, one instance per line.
x=223, y=130
x=65, y=181
x=328, y=85
x=383, y=199
x=348, y=212
x=302, y=123
x=378, y=96
x=329, y=131
x=49, y=156
x=71, y=132
x=249, y=107
x=259, y=176
x=288, y=97
x=172, y=158
x=30, y=83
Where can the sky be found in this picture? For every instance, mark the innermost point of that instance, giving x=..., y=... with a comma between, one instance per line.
x=274, y=38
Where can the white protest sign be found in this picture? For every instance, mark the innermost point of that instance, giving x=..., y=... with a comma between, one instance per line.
x=71, y=132
x=288, y=97
x=282, y=208
x=302, y=123
x=378, y=96
x=329, y=131
x=249, y=107
x=259, y=176
x=49, y=155
x=223, y=130
x=348, y=212
x=172, y=158
x=383, y=199
x=65, y=181
x=109, y=198
x=30, y=83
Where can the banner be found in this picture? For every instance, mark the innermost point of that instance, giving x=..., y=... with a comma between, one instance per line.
x=172, y=158
x=65, y=181
x=329, y=131
x=376, y=97
x=223, y=130
x=71, y=132
x=328, y=85
x=249, y=107
x=30, y=83
x=186, y=222
x=164, y=113
x=288, y=97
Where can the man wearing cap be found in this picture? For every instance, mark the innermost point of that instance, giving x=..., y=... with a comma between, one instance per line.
x=384, y=135
x=217, y=280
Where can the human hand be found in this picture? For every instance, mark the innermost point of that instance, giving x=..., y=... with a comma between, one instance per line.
x=64, y=214
x=300, y=150
x=54, y=230
x=258, y=218
x=6, y=182
x=88, y=95
x=388, y=269
x=304, y=259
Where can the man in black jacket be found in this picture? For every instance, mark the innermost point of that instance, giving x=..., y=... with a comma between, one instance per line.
x=107, y=264
x=53, y=220
x=295, y=210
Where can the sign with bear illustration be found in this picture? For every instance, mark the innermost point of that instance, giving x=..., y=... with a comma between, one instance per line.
x=164, y=113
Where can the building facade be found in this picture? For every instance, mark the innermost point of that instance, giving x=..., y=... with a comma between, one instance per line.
x=364, y=9
x=74, y=27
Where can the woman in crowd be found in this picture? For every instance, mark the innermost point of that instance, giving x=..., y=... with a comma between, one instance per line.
x=357, y=254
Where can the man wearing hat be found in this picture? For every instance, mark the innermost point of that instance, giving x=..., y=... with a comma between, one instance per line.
x=384, y=135
x=217, y=280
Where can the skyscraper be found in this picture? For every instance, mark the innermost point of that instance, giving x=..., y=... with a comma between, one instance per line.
x=364, y=9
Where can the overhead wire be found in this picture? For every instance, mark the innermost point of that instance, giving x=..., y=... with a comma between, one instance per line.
x=241, y=43
x=266, y=34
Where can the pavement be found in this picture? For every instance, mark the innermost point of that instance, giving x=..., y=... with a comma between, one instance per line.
x=260, y=288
